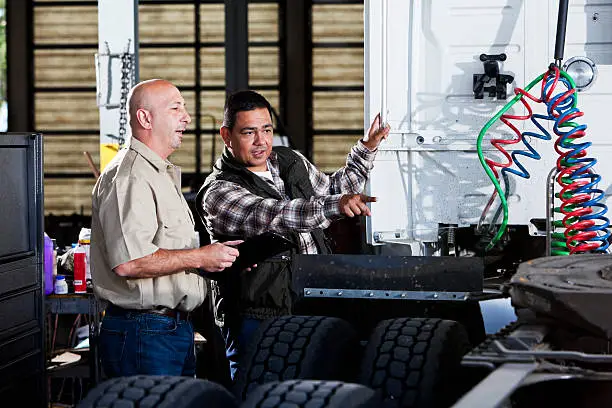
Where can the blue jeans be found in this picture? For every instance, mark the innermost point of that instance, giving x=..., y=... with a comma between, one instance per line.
x=145, y=343
x=235, y=341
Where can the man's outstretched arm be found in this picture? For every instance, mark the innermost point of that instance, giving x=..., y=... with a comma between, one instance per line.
x=232, y=210
x=211, y=258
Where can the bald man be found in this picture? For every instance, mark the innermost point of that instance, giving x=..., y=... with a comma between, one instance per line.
x=144, y=251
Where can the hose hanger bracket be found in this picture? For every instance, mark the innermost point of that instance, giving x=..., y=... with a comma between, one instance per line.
x=497, y=82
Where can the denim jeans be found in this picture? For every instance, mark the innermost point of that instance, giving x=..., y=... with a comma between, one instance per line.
x=236, y=338
x=145, y=343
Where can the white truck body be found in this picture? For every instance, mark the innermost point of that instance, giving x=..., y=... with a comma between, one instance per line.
x=420, y=57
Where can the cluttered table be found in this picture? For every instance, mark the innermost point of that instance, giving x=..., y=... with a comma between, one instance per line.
x=80, y=304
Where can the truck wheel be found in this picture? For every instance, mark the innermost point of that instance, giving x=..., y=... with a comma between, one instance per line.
x=158, y=391
x=298, y=347
x=415, y=362
x=309, y=393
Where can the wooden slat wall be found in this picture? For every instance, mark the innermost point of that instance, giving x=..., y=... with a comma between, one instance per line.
x=212, y=22
x=174, y=64
x=59, y=111
x=337, y=22
x=263, y=22
x=65, y=111
x=67, y=196
x=64, y=68
x=337, y=110
x=338, y=66
x=166, y=23
x=211, y=106
x=263, y=66
x=64, y=153
x=174, y=23
x=330, y=151
x=66, y=25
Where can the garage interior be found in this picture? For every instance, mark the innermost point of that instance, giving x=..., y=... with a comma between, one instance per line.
x=441, y=280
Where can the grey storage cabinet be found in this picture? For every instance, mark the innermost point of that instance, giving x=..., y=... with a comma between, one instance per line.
x=22, y=330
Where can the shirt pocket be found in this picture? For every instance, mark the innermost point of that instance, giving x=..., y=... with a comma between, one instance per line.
x=172, y=217
x=175, y=230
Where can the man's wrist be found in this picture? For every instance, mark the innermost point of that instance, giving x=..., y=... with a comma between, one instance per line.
x=364, y=150
x=331, y=207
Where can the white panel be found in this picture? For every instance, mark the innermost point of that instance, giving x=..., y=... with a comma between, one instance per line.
x=392, y=175
x=117, y=25
x=433, y=51
x=452, y=35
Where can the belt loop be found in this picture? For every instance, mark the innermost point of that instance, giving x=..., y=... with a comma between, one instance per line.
x=186, y=316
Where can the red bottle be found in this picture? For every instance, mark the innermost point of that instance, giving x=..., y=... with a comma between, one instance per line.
x=80, y=284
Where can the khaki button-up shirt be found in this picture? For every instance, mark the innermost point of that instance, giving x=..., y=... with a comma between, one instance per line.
x=138, y=208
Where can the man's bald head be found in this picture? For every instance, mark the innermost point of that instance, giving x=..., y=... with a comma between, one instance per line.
x=141, y=97
x=158, y=116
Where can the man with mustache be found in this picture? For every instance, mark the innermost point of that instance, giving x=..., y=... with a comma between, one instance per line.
x=255, y=188
x=144, y=251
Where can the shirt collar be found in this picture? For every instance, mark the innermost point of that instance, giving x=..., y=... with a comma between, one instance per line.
x=272, y=159
x=149, y=155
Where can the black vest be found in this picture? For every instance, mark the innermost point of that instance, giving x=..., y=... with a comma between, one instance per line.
x=265, y=291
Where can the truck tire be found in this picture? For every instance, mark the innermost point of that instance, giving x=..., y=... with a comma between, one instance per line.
x=298, y=347
x=309, y=393
x=158, y=391
x=415, y=362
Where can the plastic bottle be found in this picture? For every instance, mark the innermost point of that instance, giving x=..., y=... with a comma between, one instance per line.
x=84, y=241
x=54, y=258
x=80, y=285
x=61, y=287
x=48, y=265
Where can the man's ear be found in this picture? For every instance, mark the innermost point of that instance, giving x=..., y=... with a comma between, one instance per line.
x=225, y=135
x=144, y=118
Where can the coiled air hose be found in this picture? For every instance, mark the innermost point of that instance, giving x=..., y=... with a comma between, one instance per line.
x=584, y=226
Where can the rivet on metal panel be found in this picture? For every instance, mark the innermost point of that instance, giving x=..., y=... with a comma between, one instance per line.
x=339, y=293
x=308, y=292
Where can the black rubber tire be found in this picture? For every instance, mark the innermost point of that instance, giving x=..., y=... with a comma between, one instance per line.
x=144, y=391
x=415, y=362
x=311, y=394
x=298, y=347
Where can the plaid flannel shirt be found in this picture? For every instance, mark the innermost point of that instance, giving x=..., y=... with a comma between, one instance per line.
x=230, y=209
